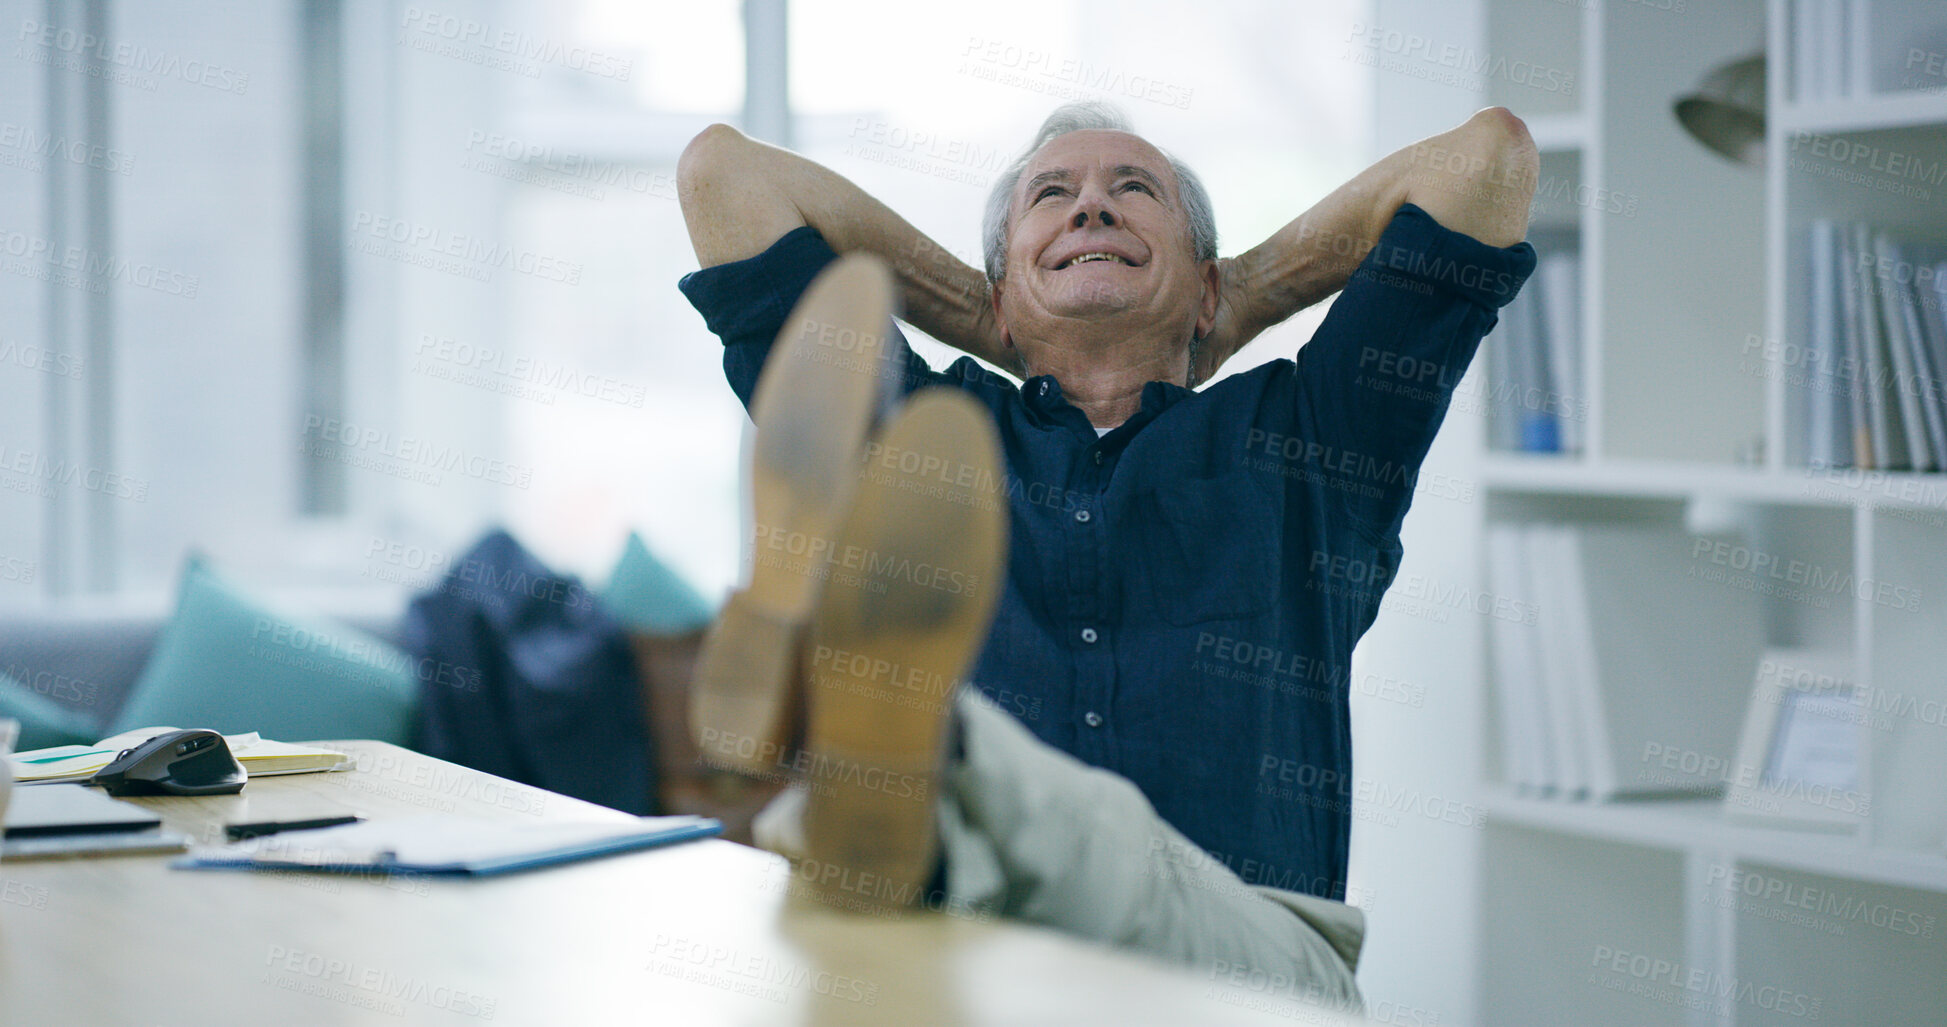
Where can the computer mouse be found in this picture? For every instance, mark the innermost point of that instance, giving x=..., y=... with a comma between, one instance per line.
x=193, y=762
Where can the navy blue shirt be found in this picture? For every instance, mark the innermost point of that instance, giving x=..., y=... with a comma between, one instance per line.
x=1184, y=593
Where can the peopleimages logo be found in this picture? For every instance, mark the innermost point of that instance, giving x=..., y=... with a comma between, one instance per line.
x=1265, y=659
x=436, y=26
x=517, y=375
x=397, y=454
x=1450, y=63
x=94, y=268
x=571, y=164
x=752, y=973
x=1367, y=799
x=370, y=987
x=1825, y=909
x=471, y=257
x=294, y=645
x=867, y=567
x=37, y=474
x=1694, y=987
x=1842, y=152
x=1042, y=71
x=30, y=144
x=13, y=568
x=142, y=64
x=1788, y=577
x=42, y=359
x=1678, y=766
x=1875, y=706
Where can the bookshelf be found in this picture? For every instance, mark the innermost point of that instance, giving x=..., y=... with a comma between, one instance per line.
x=1660, y=910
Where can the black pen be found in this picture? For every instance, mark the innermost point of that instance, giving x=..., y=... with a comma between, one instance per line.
x=238, y=832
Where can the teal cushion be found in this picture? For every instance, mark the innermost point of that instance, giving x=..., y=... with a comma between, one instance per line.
x=228, y=663
x=646, y=595
x=43, y=722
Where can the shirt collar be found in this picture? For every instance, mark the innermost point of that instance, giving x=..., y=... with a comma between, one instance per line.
x=1043, y=395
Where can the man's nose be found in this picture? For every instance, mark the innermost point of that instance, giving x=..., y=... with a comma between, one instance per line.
x=1102, y=213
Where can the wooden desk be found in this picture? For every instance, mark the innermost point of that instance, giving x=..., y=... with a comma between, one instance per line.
x=699, y=933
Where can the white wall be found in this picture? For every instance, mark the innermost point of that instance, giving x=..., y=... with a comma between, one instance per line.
x=1417, y=872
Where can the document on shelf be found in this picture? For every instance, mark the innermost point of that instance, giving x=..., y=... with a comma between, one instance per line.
x=448, y=844
x=261, y=757
x=1817, y=742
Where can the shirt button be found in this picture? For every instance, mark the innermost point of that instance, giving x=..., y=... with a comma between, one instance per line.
x=1044, y=388
x=1082, y=516
x=1088, y=635
x=1098, y=458
x=1092, y=719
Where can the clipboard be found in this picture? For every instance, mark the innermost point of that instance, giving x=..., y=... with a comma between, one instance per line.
x=449, y=845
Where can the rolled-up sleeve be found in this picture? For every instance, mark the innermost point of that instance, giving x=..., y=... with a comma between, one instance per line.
x=745, y=303
x=1376, y=379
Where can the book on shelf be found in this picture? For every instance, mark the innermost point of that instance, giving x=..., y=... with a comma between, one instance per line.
x=1536, y=361
x=1859, y=446
x=1830, y=439
x=1503, y=433
x=1536, y=430
x=1921, y=308
x=1873, y=392
x=1560, y=301
x=1904, y=384
x=1822, y=55
x=1633, y=674
x=1562, y=674
x=1850, y=50
x=1884, y=432
x=1527, y=746
x=1805, y=52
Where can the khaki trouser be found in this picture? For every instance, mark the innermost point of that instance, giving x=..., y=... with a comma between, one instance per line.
x=1030, y=832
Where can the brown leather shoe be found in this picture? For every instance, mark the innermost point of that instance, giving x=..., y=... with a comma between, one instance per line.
x=813, y=408
x=920, y=565
x=665, y=670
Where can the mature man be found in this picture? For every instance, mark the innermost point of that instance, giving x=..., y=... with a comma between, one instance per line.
x=1187, y=571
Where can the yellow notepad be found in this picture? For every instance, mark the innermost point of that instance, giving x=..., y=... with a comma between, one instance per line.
x=261, y=757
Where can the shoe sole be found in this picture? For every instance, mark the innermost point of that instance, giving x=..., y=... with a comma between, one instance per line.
x=907, y=611
x=812, y=409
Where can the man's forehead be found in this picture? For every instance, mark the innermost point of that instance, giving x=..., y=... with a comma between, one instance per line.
x=1080, y=150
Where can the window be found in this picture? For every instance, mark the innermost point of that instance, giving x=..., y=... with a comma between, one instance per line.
x=1259, y=102
x=325, y=290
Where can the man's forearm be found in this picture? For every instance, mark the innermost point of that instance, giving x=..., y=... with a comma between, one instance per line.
x=1477, y=179
x=739, y=195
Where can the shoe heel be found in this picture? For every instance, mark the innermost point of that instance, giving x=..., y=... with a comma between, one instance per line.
x=870, y=821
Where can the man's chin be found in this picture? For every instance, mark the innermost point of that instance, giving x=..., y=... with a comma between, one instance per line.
x=1085, y=312
x=1094, y=297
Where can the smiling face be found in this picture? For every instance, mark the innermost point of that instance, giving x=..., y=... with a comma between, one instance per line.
x=1098, y=234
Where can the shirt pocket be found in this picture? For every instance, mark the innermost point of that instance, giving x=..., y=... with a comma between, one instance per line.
x=1209, y=548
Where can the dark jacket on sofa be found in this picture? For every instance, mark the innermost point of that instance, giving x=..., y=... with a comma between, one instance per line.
x=526, y=677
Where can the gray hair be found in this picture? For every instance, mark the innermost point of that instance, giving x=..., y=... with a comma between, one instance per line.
x=1077, y=117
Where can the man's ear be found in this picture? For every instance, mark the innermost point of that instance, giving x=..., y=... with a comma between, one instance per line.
x=1000, y=319
x=1213, y=283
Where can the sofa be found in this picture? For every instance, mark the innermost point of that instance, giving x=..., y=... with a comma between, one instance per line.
x=88, y=666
